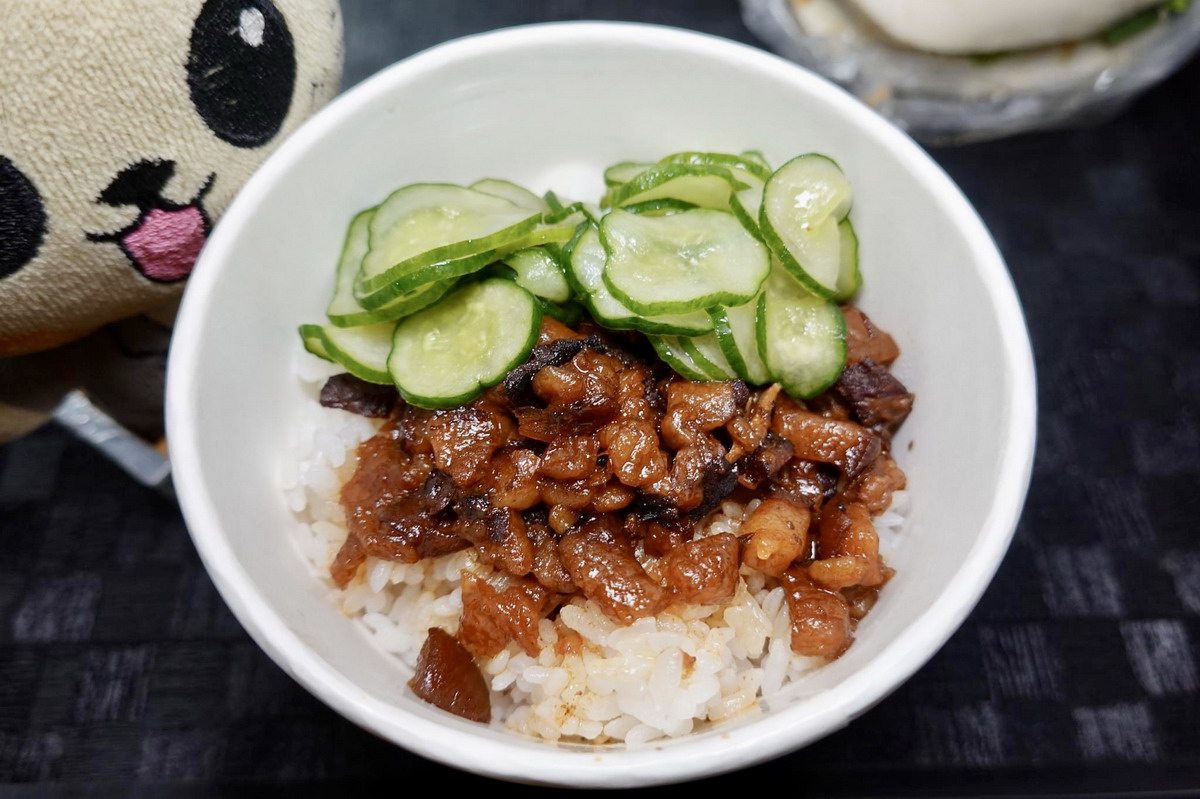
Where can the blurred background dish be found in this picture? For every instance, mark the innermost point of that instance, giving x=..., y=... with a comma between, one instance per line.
x=954, y=71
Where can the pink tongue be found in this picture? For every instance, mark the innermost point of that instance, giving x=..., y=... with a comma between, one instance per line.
x=166, y=244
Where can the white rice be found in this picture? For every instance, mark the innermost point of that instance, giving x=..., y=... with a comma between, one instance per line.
x=659, y=677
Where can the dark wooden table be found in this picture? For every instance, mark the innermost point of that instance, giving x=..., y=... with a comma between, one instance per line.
x=122, y=673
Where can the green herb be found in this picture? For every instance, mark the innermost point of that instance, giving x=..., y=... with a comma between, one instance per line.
x=1119, y=32
x=983, y=59
x=1131, y=26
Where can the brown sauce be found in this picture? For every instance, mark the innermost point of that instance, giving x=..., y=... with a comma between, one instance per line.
x=586, y=472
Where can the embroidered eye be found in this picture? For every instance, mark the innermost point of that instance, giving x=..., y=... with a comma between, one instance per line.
x=241, y=70
x=22, y=219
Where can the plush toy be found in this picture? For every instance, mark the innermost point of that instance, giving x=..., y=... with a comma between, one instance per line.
x=126, y=127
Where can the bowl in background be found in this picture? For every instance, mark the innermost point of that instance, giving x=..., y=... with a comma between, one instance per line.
x=549, y=106
x=949, y=99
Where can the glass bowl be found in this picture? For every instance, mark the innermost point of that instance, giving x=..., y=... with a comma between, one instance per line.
x=942, y=99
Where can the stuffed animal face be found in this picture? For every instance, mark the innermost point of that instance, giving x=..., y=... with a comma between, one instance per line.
x=125, y=129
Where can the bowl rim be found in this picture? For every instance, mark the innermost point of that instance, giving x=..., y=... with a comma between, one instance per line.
x=692, y=757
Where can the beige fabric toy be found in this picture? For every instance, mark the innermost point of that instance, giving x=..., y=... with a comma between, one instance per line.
x=126, y=127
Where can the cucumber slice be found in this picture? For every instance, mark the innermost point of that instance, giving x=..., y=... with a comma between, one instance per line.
x=554, y=205
x=559, y=233
x=567, y=251
x=739, y=165
x=539, y=273
x=670, y=349
x=569, y=215
x=702, y=185
x=313, y=339
x=593, y=213
x=343, y=309
x=802, y=204
x=849, y=278
x=518, y=195
x=448, y=354
x=362, y=351
x=757, y=157
x=746, y=203
x=558, y=213
x=569, y=313
x=623, y=172
x=401, y=302
x=585, y=269
x=736, y=332
x=431, y=223
x=410, y=302
x=684, y=262
x=801, y=337
x=663, y=205
x=706, y=353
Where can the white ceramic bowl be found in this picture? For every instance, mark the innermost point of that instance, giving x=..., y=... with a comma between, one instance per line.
x=551, y=106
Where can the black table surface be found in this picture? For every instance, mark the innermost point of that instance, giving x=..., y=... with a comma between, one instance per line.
x=123, y=673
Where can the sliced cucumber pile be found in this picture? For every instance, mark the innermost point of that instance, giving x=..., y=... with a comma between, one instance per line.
x=732, y=269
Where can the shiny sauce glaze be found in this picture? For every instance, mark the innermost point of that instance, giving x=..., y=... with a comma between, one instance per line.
x=586, y=473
